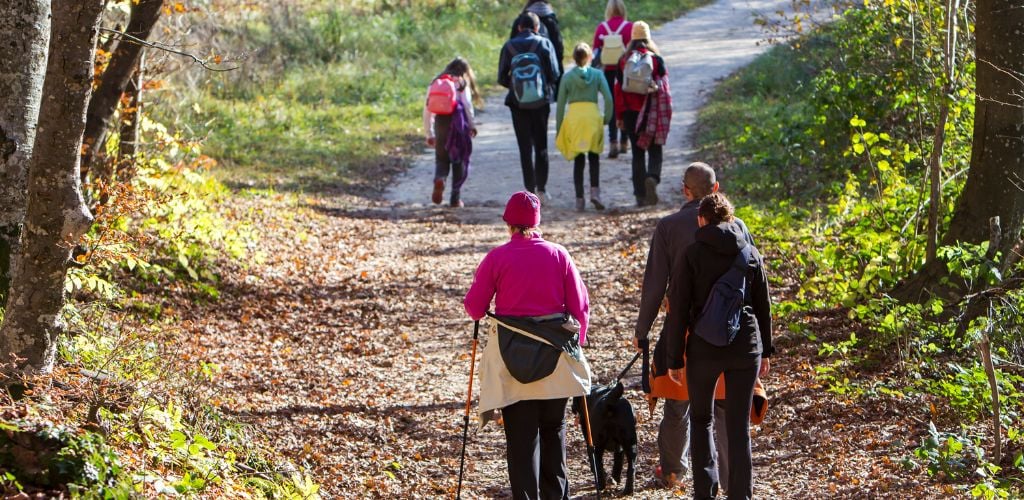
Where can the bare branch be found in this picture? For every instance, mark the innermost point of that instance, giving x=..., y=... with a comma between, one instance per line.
x=166, y=48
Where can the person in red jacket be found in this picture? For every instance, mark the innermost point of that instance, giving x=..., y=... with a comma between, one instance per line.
x=629, y=101
x=614, y=23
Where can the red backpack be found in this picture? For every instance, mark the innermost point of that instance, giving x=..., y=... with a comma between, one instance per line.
x=441, y=95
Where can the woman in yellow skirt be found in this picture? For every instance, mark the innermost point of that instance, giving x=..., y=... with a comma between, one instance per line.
x=581, y=128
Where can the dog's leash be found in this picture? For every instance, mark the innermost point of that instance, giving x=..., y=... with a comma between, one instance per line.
x=626, y=369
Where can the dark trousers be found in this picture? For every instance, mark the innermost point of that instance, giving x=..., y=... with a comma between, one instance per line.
x=613, y=130
x=442, y=162
x=535, y=449
x=531, y=127
x=642, y=168
x=702, y=373
x=578, y=164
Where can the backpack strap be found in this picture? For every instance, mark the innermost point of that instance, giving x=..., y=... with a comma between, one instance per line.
x=607, y=29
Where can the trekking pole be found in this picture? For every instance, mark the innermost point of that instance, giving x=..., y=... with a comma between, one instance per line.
x=591, y=455
x=469, y=403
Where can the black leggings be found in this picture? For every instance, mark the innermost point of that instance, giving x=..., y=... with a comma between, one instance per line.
x=642, y=167
x=531, y=128
x=613, y=129
x=702, y=371
x=535, y=449
x=577, y=172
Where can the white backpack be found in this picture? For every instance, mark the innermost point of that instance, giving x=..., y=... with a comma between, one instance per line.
x=638, y=75
x=612, y=47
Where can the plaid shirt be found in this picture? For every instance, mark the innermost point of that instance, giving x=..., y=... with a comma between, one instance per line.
x=657, y=113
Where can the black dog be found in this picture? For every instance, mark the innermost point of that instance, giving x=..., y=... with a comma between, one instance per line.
x=613, y=427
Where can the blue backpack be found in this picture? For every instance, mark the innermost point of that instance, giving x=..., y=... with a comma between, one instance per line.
x=719, y=321
x=529, y=86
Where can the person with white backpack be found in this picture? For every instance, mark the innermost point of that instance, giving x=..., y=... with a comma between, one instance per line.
x=610, y=40
x=640, y=70
x=449, y=127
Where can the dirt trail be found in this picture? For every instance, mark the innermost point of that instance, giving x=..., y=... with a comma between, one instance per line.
x=349, y=346
x=699, y=48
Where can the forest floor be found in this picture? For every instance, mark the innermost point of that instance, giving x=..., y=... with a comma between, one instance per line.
x=349, y=346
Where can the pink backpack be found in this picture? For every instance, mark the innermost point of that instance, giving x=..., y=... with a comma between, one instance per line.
x=441, y=95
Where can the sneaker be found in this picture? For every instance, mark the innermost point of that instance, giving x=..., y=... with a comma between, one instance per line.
x=663, y=481
x=457, y=204
x=595, y=198
x=438, y=193
x=651, y=191
x=543, y=196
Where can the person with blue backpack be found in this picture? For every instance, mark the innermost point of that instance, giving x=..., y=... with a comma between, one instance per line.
x=528, y=68
x=720, y=295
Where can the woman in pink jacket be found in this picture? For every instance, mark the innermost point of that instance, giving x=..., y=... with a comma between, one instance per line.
x=530, y=279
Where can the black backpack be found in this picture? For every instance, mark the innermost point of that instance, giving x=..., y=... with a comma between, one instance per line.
x=719, y=321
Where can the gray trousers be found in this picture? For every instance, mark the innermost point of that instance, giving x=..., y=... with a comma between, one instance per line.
x=674, y=439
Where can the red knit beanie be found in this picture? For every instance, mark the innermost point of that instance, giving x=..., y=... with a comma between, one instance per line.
x=522, y=209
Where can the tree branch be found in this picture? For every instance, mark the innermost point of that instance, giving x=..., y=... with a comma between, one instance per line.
x=166, y=48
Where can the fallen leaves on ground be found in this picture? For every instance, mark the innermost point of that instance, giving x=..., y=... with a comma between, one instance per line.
x=348, y=347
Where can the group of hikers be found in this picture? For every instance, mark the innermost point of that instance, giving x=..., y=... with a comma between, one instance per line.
x=622, y=66
x=715, y=343
x=702, y=268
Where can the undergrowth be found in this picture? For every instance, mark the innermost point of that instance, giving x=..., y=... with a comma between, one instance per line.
x=826, y=140
x=129, y=411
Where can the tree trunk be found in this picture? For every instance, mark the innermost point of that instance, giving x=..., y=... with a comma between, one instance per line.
x=25, y=31
x=115, y=78
x=56, y=215
x=995, y=181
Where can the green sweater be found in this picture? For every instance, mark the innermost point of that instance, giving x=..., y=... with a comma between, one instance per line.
x=583, y=85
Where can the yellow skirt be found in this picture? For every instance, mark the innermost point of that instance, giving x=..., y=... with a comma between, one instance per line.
x=582, y=130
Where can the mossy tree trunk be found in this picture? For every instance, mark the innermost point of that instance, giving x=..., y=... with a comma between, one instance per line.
x=25, y=31
x=115, y=79
x=995, y=181
x=56, y=215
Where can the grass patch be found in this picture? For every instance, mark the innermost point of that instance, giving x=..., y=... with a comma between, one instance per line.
x=334, y=92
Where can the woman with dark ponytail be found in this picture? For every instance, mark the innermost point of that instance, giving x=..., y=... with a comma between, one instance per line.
x=720, y=247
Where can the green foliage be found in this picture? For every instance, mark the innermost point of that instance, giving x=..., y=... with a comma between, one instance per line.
x=834, y=133
x=948, y=455
x=53, y=456
x=339, y=88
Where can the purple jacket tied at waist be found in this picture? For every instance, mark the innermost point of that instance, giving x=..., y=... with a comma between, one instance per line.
x=460, y=141
x=529, y=277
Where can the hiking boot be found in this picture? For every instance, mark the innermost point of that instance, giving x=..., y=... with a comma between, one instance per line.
x=613, y=151
x=595, y=197
x=623, y=146
x=651, y=191
x=663, y=481
x=580, y=204
x=438, y=193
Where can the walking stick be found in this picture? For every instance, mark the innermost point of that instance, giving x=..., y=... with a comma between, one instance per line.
x=591, y=456
x=469, y=403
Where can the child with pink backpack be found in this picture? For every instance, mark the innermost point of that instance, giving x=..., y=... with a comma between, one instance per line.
x=449, y=127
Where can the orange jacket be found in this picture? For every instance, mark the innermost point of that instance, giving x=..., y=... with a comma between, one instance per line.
x=664, y=387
